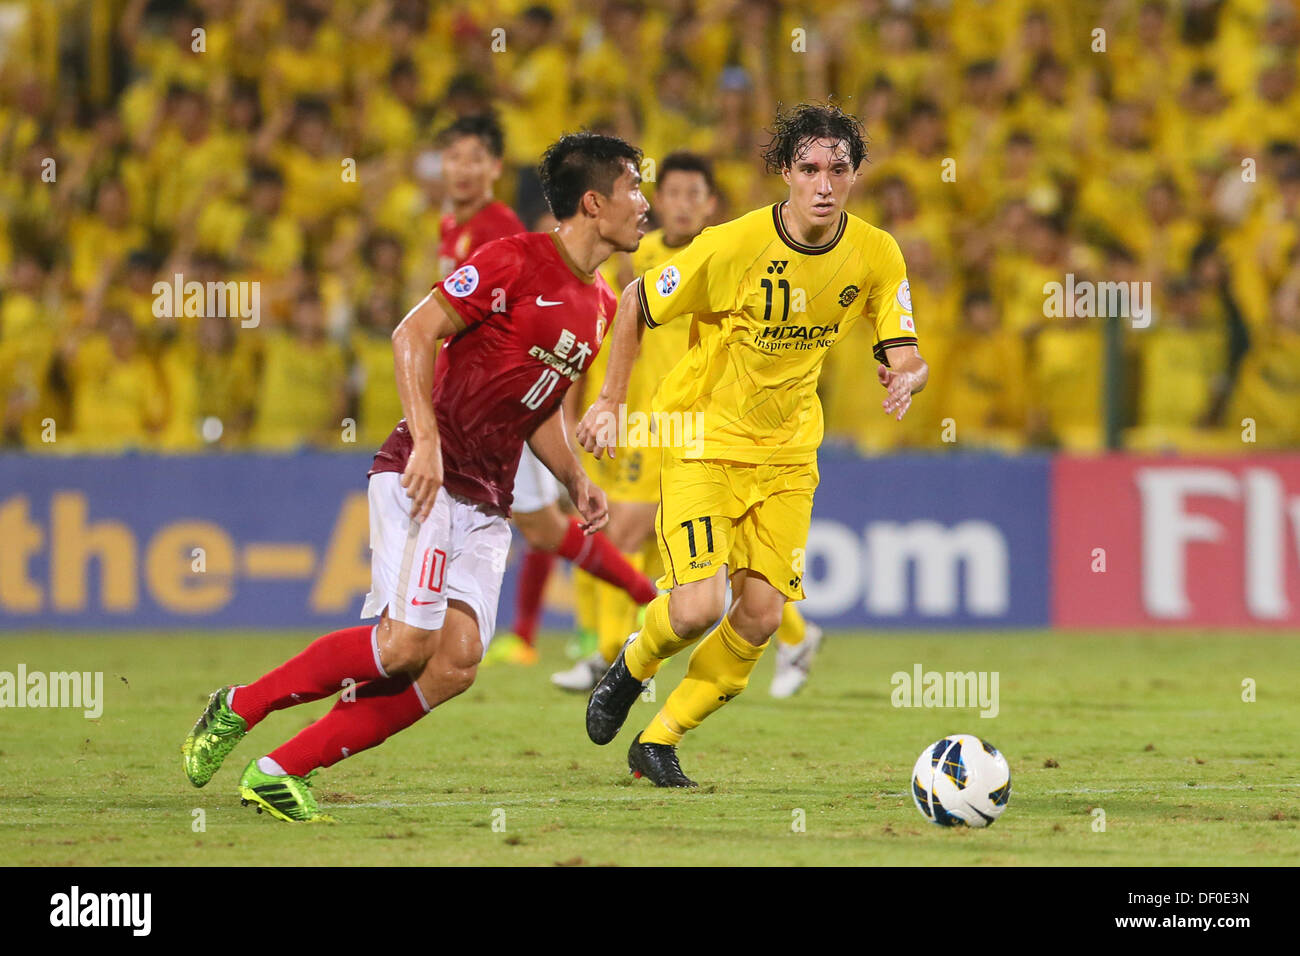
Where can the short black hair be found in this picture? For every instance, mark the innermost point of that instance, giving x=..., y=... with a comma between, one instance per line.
x=687, y=162
x=311, y=107
x=482, y=125
x=404, y=66
x=577, y=162
x=466, y=84
x=793, y=131
x=540, y=13
x=264, y=174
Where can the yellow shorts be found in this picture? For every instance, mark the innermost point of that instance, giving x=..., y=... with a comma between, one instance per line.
x=748, y=517
x=632, y=476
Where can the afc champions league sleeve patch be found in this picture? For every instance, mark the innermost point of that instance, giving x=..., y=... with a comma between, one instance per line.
x=461, y=282
x=905, y=296
x=669, y=280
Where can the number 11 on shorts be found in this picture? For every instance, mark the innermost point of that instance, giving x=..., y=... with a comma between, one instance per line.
x=690, y=534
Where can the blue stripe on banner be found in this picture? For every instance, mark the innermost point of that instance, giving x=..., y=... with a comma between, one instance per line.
x=249, y=540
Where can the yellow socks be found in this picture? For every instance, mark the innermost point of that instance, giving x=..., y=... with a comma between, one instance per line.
x=584, y=601
x=719, y=670
x=656, y=643
x=615, y=614
x=792, y=626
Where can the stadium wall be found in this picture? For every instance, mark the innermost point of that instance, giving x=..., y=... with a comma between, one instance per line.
x=958, y=541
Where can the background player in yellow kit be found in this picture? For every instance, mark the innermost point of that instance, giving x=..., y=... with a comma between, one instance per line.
x=767, y=296
x=685, y=202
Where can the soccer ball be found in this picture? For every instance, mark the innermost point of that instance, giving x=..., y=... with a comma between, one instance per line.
x=961, y=781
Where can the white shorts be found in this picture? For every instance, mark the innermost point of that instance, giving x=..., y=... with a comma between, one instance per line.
x=457, y=553
x=535, y=486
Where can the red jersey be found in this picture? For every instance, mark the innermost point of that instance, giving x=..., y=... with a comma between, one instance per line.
x=533, y=323
x=459, y=239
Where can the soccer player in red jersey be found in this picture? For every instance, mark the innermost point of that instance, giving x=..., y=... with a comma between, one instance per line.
x=472, y=150
x=526, y=314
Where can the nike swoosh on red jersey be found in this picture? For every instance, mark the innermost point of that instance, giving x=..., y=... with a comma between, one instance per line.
x=543, y=302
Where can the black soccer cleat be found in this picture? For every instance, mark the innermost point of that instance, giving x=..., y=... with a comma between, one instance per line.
x=612, y=698
x=658, y=764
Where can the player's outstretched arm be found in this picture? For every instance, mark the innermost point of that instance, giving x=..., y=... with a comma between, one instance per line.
x=415, y=348
x=904, y=376
x=598, y=430
x=551, y=446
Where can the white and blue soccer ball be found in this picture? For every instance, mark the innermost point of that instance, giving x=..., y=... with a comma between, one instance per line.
x=961, y=781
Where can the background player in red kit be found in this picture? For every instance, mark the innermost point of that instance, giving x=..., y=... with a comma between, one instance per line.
x=472, y=150
x=526, y=315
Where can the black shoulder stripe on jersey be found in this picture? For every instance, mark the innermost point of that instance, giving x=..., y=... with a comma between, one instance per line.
x=799, y=246
x=879, y=349
x=645, y=306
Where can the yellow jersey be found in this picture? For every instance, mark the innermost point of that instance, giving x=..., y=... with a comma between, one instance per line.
x=660, y=352
x=634, y=474
x=765, y=309
x=663, y=350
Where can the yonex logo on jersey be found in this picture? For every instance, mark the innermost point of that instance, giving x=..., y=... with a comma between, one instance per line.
x=461, y=282
x=669, y=279
x=778, y=266
x=905, y=296
x=847, y=296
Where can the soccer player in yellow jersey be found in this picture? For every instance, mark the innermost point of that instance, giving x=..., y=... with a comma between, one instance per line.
x=767, y=294
x=685, y=200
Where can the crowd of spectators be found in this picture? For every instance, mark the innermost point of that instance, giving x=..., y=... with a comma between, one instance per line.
x=293, y=145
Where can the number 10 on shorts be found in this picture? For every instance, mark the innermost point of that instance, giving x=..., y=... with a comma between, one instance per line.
x=433, y=569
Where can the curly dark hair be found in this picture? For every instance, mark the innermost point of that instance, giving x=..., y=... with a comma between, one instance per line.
x=577, y=162
x=795, y=130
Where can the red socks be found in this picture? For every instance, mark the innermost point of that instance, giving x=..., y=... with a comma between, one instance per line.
x=528, y=597
x=596, y=555
x=381, y=709
x=315, y=673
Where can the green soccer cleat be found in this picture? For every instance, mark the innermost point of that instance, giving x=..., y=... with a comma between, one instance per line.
x=212, y=738
x=581, y=645
x=510, y=649
x=286, y=798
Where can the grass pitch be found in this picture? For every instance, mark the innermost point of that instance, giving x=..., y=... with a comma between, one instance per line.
x=1153, y=730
